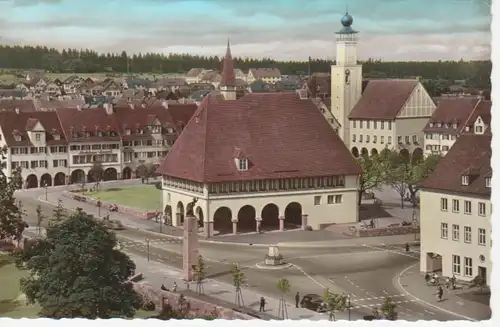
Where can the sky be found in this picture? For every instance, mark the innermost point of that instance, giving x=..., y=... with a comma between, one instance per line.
x=280, y=29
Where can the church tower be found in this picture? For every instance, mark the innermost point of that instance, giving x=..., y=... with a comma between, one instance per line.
x=346, y=76
x=228, y=79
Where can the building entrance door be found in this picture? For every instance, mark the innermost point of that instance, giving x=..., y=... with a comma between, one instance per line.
x=481, y=271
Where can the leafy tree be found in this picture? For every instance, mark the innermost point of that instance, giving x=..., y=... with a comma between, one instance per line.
x=59, y=211
x=421, y=170
x=12, y=224
x=40, y=217
x=238, y=281
x=388, y=309
x=373, y=174
x=284, y=287
x=97, y=173
x=334, y=303
x=77, y=272
x=199, y=274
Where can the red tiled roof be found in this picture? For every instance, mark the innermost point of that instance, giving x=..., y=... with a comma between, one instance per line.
x=282, y=135
x=140, y=118
x=91, y=120
x=483, y=110
x=383, y=99
x=228, y=77
x=13, y=123
x=470, y=153
x=22, y=105
x=320, y=85
x=259, y=73
x=451, y=111
x=181, y=113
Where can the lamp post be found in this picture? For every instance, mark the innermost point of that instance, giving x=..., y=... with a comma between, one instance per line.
x=414, y=220
x=45, y=187
x=99, y=208
x=147, y=246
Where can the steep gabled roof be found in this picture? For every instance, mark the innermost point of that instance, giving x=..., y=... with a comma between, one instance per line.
x=483, y=110
x=383, y=99
x=450, y=111
x=282, y=135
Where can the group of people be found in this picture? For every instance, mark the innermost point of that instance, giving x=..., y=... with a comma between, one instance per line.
x=434, y=280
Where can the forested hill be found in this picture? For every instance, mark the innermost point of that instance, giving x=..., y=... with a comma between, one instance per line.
x=89, y=61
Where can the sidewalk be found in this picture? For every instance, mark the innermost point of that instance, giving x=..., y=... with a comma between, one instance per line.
x=394, y=240
x=464, y=303
x=156, y=274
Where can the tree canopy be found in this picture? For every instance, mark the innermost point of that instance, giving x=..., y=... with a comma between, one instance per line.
x=77, y=271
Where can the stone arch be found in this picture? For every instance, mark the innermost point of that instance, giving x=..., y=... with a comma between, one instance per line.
x=46, y=180
x=222, y=220
x=293, y=214
x=364, y=152
x=77, y=176
x=374, y=152
x=200, y=217
x=405, y=154
x=127, y=173
x=270, y=216
x=168, y=214
x=110, y=174
x=417, y=155
x=355, y=151
x=246, y=218
x=180, y=213
x=32, y=181
x=59, y=179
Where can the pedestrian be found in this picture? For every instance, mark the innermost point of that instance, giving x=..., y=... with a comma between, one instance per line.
x=427, y=278
x=174, y=288
x=407, y=247
x=372, y=223
x=297, y=299
x=439, y=294
x=262, y=305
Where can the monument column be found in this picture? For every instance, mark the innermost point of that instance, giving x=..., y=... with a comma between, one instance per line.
x=282, y=223
x=190, y=246
x=258, y=224
x=235, y=225
x=304, y=221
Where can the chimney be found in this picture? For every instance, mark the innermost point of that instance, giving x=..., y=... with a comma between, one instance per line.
x=164, y=104
x=109, y=108
x=17, y=110
x=79, y=108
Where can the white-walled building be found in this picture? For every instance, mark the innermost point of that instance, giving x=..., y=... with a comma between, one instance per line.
x=452, y=118
x=389, y=112
x=455, y=211
x=267, y=159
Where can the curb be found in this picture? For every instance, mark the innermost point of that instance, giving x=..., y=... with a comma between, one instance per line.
x=280, y=267
x=399, y=284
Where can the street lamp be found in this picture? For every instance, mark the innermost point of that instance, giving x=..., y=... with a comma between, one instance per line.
x=414, y=220
x=45, y=186
x=147, y=246
x=99, y=208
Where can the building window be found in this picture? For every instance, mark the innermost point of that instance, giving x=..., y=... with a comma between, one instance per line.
x=400, y=139
x=37, y=137
x=467, y=234
x=414, y=138
x=382, y=139
x=456, y=206
x=381, y=125
x=407, y=139
x=354, y=137
x=243, y=164
x=481, y=208
x=455, y=232
x=375, y=124
x=330, y=199
x=367, y=124
x=389, y=140
x=374, y=138
x=317, y=200
x=353, y=124
x=467, y=207
x=444, y=204
x=467, y=267
x=456, y=265
x=481, y=237
x=389, y=125
x=360, y=124
x=465, y=180
x=367, y=138
x=361, y=138
x=479, y=129
x=445, y=148
x=428, y=136
x=488, y=182
x=444, y=230
x=338, y=198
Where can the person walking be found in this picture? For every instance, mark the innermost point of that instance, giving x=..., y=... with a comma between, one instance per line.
x=174, y=288
x=439, y=294
x=297, y=299
x=262, y=307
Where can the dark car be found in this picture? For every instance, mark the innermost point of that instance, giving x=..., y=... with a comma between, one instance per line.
x=313, y=302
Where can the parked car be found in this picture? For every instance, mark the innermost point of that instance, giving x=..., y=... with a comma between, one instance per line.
x=313, y=302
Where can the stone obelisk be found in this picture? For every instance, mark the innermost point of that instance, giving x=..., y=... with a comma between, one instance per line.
x=190, y=245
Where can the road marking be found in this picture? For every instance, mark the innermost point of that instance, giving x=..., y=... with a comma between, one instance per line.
x=427, y=303
x=390, y=251
x=381, y=297
x=429, y=312
x=309, y=276
x=409, y=310
x=395, y=247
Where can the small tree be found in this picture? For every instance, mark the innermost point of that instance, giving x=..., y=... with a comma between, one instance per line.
x=97, y=173
x=284, y=286
x=141, y=171
x=373, y=174
x=199, y=274
x=334, y=303
x=39, y=219
x=150, y=171
x=238, y=282
x=59, y=211
x=388, y=309
x=11, y=213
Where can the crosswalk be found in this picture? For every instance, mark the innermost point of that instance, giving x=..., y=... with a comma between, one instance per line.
x=152, y=241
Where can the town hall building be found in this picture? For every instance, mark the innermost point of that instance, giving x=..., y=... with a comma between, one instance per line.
x=266, y=160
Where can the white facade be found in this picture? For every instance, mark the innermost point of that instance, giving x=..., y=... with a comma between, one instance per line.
x=322, y=205
x=346, y=82
x=458, y=229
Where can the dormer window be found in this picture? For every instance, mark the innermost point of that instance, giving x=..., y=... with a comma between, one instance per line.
x=99, y=134
x=488, y=182
x=467, y=128
x=170, y=130
x=446, y=126
x=431, y=124
x=127, y=131
x=17, y=138
x=56, y=136
x=465, y=180
x=454, y=126
x=438, y=125
x=478, y=129
x=242, y=164
x=87, y=134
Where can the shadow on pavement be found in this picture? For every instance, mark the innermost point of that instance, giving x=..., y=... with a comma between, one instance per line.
x=476, y=296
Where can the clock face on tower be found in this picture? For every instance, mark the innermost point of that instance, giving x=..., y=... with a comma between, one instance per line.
x=347, y=72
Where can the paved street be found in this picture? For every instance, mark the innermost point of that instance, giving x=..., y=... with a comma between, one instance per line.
x=366, y=269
